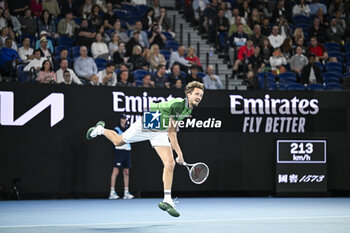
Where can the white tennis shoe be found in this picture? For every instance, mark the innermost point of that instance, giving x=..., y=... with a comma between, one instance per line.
x=128, y=196
x=113, y=196
x=95, y=131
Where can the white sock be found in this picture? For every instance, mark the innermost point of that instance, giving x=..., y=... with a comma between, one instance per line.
x=167, y=194
x=126, y=190
x=112, y=190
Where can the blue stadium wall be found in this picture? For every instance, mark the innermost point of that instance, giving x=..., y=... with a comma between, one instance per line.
x=54, y=160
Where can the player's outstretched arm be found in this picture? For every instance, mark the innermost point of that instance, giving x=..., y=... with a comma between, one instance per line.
x=172, y=134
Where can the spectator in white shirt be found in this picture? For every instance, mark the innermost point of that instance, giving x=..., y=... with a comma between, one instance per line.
x=37, y=61
x=61, y=78
x=277, y=62
x=26, y=52
x=301, y=9
x=178, y=57
x=99, y=49
x=212, y=81
x=276, y=40
x=107, y=77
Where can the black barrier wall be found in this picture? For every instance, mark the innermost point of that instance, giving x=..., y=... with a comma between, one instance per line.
x=45, y=145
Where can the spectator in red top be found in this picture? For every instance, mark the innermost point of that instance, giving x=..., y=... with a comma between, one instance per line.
x=318, y=50
x=244, y=53
x=193, y=59
x=36, y=7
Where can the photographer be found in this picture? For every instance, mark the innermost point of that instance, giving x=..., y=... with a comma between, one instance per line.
x=157, y=36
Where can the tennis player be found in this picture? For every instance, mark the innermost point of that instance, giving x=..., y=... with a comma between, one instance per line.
x=170, y=111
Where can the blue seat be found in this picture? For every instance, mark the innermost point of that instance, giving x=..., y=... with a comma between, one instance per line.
x=166, y=54
x=200, y=74
x=129, y=8
x=139, y=74
x=315, y=87
x=122, y=14
x=171, y=45
x=287, y=77
x=296, y=87
x=66, y=41
x=331, y=79
x=101, y=63
x=331, y=46
x=347, y=47
x=332, y=76
x=183, y=74
x=320, y=65
x=304, y=26
x=22, y=75
x=270, y=78
x=337, y=54
x=141, y=9
x=334, y=86
x=138, y=82
x=31, y=38
x=168, y=35
x=75, y=51
x=347, y=56
x=334, y=67
x=301, y=19
x=275, y=86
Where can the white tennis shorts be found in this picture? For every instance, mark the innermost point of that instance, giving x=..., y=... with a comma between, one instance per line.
x=137, y=134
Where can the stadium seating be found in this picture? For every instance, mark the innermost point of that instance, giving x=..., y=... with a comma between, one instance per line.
x=139, y=74
x=171, y=45
x=287, y=77
x=165, y=53
x=296, y=87
x=101, y=63
x=265, y=77
x=332, y=77
x=315, y=87
x=331, y=46
x=334, y=86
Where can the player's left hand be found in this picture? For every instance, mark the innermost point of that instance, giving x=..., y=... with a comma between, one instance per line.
x=180, y=160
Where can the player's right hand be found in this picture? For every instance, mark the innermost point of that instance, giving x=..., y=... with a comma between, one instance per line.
x=180, y=160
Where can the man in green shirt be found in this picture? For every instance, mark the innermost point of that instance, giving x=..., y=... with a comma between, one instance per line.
x=170, y=112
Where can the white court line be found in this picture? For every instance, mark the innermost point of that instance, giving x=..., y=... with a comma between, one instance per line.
x=177, y=221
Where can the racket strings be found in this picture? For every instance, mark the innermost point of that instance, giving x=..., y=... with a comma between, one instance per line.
x=199, y=173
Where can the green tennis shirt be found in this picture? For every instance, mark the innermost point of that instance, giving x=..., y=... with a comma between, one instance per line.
x=177, y=109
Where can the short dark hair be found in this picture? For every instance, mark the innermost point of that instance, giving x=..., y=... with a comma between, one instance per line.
x=65, y=72
x=63, y=59
x=37, y=50
x=123, y=71
x=110, y=64
x=160, y=67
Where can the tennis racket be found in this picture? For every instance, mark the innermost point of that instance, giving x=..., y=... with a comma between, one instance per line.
x=198, y=172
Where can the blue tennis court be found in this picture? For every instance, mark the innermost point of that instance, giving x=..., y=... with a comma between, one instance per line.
x=243, y=215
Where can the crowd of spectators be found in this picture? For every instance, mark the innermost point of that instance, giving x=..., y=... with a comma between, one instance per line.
x=108, y=43
x=286, y=34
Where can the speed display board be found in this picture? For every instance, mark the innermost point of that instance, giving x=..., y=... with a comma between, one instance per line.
x=301, y=166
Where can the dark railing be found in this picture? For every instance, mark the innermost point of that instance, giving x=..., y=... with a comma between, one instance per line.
x=174, y=23
x=181, y=33
x=188, y=40
x=207, y=60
